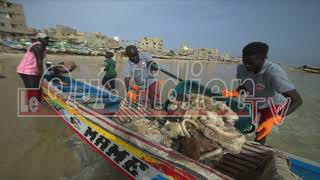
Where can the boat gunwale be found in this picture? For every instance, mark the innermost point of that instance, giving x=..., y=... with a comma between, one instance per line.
x=304, y=163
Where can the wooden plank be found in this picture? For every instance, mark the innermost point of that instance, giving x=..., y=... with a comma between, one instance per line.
x=252, y=154
x=254, y=149
x=258, y=146
x=228, y=171
x=237, y=160
x=235, y=166
x=245, y=157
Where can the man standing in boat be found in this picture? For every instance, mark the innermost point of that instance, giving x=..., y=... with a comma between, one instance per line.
x=269, y=80
x=139, y=68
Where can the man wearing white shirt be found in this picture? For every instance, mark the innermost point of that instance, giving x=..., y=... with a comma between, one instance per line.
x=139, y=68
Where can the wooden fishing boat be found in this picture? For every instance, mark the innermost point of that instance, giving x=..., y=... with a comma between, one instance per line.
x=310, y=69
x=135, y=155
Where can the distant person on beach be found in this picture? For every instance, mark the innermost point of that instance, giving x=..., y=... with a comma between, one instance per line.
x=139, y=68
x=30, y=68
x=268, y=80
x=108, y=80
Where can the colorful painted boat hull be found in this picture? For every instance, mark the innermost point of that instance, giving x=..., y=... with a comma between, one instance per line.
x=304, y=168
x=124, y=149
x=137, y=157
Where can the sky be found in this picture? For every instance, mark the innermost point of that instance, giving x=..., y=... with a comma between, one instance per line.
x=290, y=28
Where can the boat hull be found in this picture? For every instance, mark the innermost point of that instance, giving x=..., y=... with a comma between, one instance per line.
x=122, y=149
x=138, y=158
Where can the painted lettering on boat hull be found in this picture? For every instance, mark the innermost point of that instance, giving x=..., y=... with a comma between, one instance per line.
x=131, y=164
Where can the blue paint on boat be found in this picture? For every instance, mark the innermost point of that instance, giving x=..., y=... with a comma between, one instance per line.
x=304, y=168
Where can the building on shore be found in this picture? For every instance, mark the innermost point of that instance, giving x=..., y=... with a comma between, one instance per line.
x=98, y=40
x=150, y=44
x=209, y=54
x=225, y=57
x=184, y=50
x=13, y=21
x=60, y=32
x=92, y=39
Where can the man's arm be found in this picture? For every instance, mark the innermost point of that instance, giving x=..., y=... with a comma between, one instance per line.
x=296, y=100
x=239, y=75
x=281, y=83
x=38, y=53
x=127, y=83
x=127, y=73
x=239, y=88
x=153, y=66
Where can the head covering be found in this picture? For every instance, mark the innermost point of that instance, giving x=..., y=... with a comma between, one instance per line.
x=255, y=48
x=42, y=35
x=109, y=54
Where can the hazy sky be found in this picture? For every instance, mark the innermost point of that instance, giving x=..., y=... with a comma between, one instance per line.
x=291, y=28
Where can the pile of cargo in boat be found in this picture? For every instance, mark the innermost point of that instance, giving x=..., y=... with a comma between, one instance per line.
x=201, y=128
